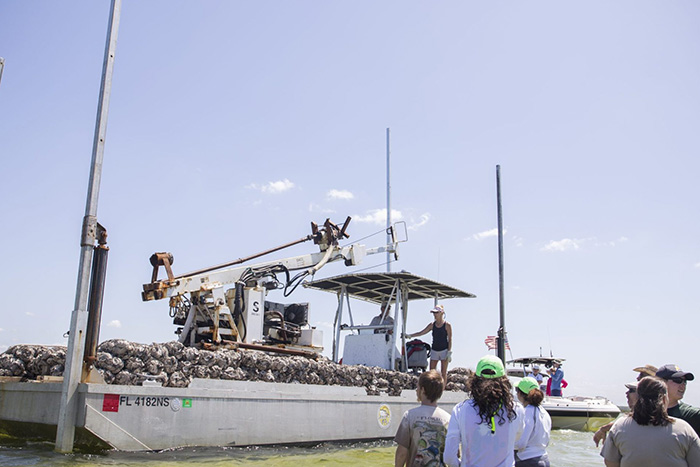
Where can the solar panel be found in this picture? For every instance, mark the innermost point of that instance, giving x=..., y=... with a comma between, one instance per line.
x=377, y=287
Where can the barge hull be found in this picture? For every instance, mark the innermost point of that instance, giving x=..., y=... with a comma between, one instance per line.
x=210, y=413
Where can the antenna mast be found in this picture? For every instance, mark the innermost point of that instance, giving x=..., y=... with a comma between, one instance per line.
x=388, y=202
x=502, y=328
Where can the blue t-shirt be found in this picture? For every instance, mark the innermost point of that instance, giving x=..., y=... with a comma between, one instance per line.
x=556, y=379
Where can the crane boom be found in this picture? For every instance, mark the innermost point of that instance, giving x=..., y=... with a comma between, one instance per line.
x=228, y=302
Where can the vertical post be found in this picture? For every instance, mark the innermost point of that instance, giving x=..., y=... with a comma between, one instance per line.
x=338, y=323
x=95, y=298
x=72, y=373
x=2, y=67
x=404, y=317
x=502, y=327
x=388, y=201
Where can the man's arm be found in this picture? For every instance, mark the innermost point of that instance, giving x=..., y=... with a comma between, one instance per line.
x=610, y=452
x=602, y=432
x=401, y=456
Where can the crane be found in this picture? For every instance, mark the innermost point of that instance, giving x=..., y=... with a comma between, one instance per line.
x=227, y=303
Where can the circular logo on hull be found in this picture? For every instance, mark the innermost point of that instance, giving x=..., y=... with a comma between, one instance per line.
x=175, y=404
x=384, y=416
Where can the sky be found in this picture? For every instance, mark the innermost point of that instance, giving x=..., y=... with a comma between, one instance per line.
x=233, y=125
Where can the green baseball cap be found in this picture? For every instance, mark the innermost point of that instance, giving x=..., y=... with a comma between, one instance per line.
x=528, y=384
x=490, y=366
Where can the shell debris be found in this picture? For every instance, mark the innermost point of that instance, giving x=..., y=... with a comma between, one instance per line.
x=127, y=363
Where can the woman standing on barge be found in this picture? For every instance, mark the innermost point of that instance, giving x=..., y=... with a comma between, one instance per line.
x=442, y=341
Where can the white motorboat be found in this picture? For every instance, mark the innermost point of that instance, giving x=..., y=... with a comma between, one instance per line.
x=581, y=413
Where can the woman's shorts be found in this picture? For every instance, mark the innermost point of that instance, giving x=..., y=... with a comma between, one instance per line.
x=438, y=354
x=542, y=461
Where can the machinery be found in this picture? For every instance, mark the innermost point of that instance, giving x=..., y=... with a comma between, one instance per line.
x=227, y=303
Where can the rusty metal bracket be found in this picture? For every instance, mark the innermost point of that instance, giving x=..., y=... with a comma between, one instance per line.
x=162, y=259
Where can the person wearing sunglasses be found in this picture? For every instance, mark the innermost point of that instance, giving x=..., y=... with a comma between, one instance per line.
x=647, y=436
x=676, y=381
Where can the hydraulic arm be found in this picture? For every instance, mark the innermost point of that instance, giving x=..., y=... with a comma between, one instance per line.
x=228, y=302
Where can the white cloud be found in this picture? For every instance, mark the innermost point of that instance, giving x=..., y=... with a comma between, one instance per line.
x=115, y=323
x=564, y=244
x=1, y=329
x=339, y=194
x=611, y=243
x=280, y=186
x=486, y=234
x=697, y=265
x=317, y=208
x=378, y=216
x=424, y=218
x=29, y=313
x=3, y=347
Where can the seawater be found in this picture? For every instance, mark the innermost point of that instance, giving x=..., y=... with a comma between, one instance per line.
x=566, y=449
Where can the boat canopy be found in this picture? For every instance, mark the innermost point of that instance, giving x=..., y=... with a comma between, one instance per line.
x=398, y=288
x=380, y=287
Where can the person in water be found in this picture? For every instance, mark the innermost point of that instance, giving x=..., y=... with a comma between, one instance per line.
x=421, y=433
x=441, y=349
x=531, y=448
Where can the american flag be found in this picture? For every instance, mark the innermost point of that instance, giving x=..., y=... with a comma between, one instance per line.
x=490, y=342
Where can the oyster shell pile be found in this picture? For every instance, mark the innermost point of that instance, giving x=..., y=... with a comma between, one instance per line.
x=174, y=365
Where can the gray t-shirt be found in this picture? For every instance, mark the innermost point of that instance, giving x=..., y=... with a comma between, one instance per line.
x=631, y=444
x=422, y=431
x=377, y=321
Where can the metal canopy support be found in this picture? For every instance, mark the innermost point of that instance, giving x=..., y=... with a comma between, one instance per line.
x=347, y=300
x=338, y=321
x=72, y=373
x=401, y=287
x=404, y=318
x=398, y=301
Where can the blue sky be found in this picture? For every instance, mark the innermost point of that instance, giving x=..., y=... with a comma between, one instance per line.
x=232, y=125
